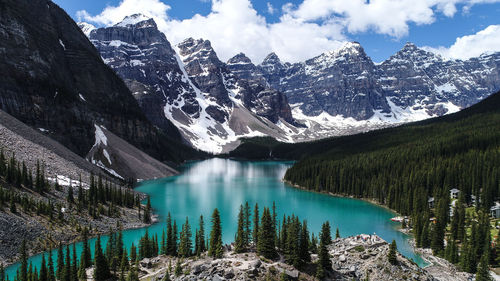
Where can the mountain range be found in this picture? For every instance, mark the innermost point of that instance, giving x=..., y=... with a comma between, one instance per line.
x=214, y=103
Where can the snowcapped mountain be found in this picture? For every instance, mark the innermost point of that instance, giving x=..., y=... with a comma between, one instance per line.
x=413, y=84
x=191, y=88
x=340, y=92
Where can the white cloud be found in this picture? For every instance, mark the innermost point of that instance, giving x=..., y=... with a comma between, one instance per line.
x=270, y=8
x=486, y=40
x=306, y=30
x=114, y=14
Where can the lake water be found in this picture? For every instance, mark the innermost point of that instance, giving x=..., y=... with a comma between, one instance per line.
x=225, y=184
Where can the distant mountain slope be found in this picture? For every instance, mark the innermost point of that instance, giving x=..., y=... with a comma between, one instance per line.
x=54, y=79
x=470, y=118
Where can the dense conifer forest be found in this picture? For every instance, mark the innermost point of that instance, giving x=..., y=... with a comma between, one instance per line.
x=413, y=168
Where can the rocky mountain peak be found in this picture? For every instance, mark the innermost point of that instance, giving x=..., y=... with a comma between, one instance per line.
x=134, y=20
x=409, y=46
x=271, y=59
x=240, y=58
x=86, y=28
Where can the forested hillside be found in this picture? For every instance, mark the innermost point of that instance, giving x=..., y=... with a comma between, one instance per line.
x=413, y=168
x=403, y=166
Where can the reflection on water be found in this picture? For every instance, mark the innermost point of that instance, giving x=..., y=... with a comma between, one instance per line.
x=225, y=184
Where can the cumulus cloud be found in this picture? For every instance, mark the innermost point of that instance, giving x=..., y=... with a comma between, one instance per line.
x=486, y=40
x=303, y=31
x=114, y=14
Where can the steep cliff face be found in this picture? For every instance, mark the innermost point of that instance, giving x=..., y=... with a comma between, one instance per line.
x=141, y=54
x=413, y=84
x=256, y=92
x=337, y=82
x=54, y=79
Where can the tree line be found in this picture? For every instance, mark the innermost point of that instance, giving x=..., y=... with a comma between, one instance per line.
x=404, y=167
x=263, y=234
x=101, y=197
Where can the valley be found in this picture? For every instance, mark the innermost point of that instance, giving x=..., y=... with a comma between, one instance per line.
x=127, y=153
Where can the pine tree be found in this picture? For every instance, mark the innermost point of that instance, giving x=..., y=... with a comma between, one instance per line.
x=185, y=243
x=201, y=236
x=101, y=270
x=86, y=258
x=60, y=263
x=324, y=262
x=23, y=269
x=147, y=212
x=67, y=266
x=265, y=243
x=240, y=245
x=337, y=233
x=43, y=270
x=2, y=270
x=304, y=255
x=391, y=256
x=483, y=272
x=170, y=236
x=247, y=224
x=132, y=275
x=178, y=268
x=74, y=266
x=50, y=275
x=133, y=253
x=215, y=249
x=174, y=240
x=255, y=234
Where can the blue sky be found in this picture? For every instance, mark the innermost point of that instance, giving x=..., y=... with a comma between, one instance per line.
x=380, y=36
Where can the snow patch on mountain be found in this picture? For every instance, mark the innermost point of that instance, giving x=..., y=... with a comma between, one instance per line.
x=132, y=20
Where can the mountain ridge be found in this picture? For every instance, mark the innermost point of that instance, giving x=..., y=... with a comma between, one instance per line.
x=339, y=92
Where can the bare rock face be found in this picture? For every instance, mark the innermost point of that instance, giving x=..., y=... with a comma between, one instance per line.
x=54, y=78
x=337, y=82
x=256, y=93
x=142, y=56
x=347, y=82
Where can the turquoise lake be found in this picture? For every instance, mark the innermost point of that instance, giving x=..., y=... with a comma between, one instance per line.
x=225, y=184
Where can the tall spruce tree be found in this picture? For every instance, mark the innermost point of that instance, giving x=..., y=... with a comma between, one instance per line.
x=23, y=269
x=483, y=272
x=101, y=270
x=169, y=243
x=255, y=234
x=324, y=262
x=60, y=262
x=50, y=275
x=240, y=245
x=215, y=249
x=201, y=235
x=185, y=243
x=247, y=224
x=391, y=255
x=265, y=243
x=86, y=257
x=67, y=266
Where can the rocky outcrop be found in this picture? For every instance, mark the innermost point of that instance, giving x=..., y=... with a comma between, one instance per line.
x=54, y=78
x=354, y=258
